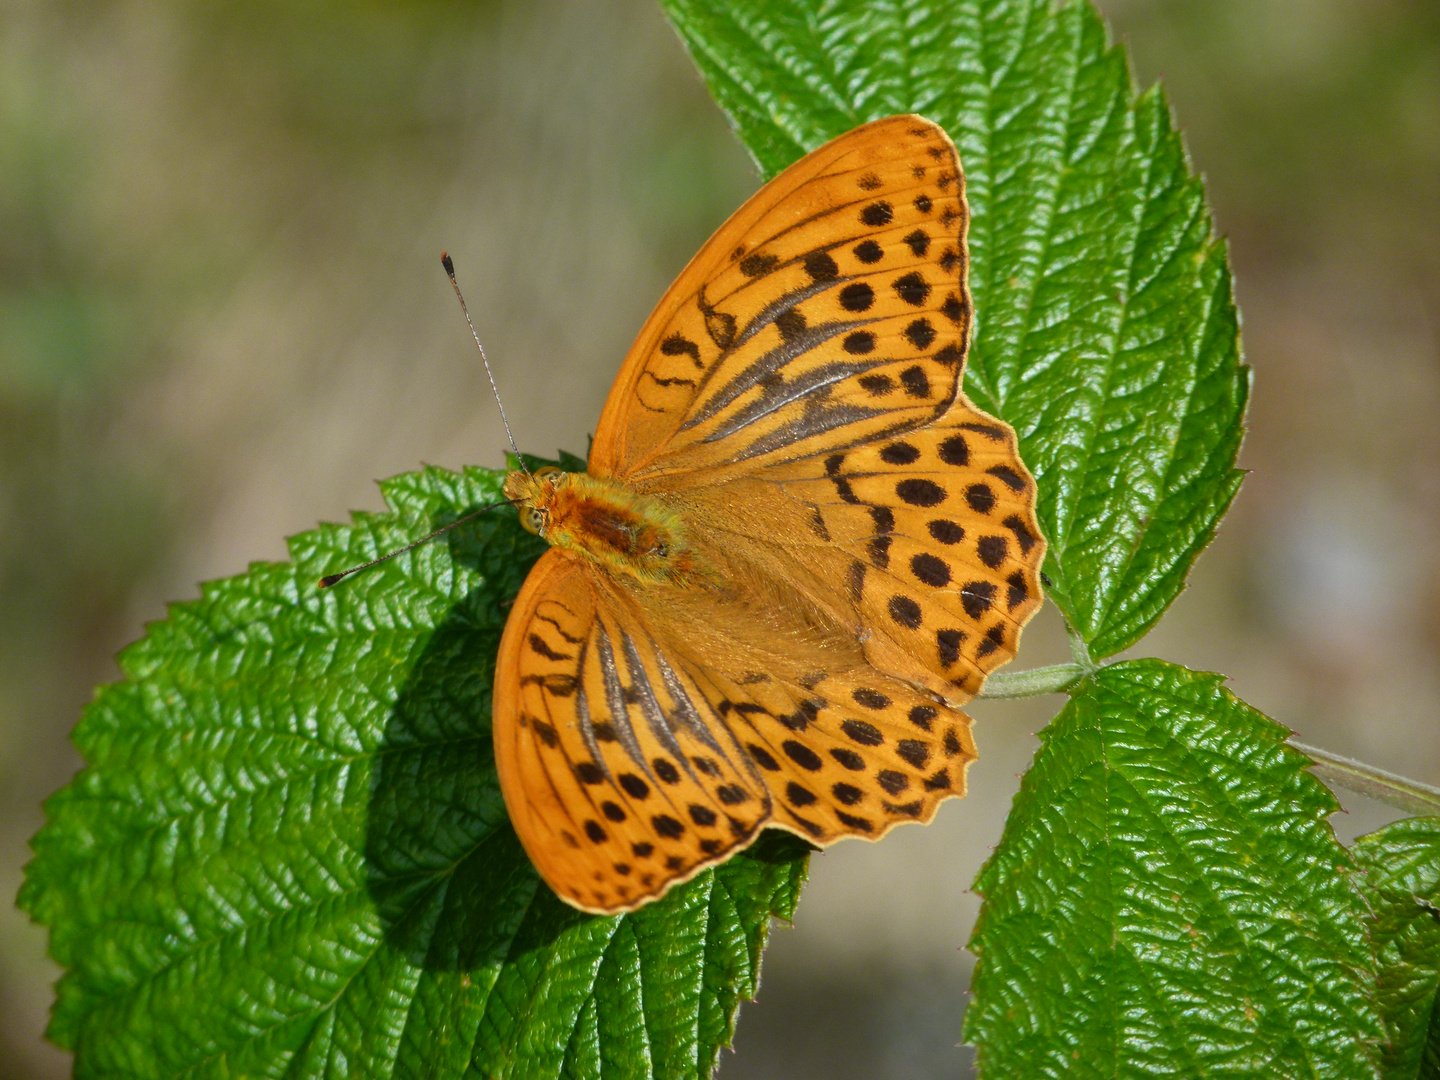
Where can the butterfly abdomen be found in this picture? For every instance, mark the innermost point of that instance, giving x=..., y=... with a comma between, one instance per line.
x=607, y=523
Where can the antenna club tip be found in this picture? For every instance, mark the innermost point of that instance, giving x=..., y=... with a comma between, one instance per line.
x=445, y=262
x=330, y=579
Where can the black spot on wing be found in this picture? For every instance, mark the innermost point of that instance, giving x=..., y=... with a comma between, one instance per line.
x=930, y=570
x=790, y=323
x=587, y=772
x=1023, y=536
x=918, y=491
x=859, y=343
x=679, y=345
x=720, y=325
x=922, y=716
x=763, y=757
x=1007, y=476
x=905, y=611
x=862, y=732
x=980, y=498
x=1019, y=590
x=821, y=267
x=976, y=597
x=877, y=385
x=877, y=214
x=955, y=451
x=916, y=382
x=994, y=639
x=796, y=795
x=990, y=431
x=899, y=453
x=871, y=699
x=911, y=288
x=802, y=755
x=945, y=531
x=857, y=296
x=951, y=355
x=918, y=242
x=920, y=334
x=992, y=550
x=634, y=786
x=914, y=752
x=947, y=642
x=868, y=252
x=758, y=264
x=817, y=524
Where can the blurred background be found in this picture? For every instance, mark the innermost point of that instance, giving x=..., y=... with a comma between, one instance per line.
x=222, y=318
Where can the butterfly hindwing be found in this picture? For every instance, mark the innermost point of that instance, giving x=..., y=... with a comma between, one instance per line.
x=629, y=766
x=830, y=309
x=851, y=753
x=621, y=782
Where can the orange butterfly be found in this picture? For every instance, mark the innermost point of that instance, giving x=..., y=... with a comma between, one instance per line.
x=797, y=548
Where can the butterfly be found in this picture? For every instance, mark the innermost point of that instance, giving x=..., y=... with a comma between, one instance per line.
x=796, y=551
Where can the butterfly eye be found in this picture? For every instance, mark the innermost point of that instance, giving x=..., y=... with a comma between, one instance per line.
x=532, y=520
x=548, y=470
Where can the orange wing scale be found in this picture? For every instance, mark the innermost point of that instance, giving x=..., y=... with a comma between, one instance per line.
x=866, y=539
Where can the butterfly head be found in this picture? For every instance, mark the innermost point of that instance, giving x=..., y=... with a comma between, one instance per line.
x=602, y=520
x=534, y=496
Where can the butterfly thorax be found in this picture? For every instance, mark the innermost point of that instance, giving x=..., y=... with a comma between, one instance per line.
x=605, y=522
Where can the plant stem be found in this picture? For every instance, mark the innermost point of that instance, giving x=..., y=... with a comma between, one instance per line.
x=1055, y=679
x=1079, y=651
x=1398, y=791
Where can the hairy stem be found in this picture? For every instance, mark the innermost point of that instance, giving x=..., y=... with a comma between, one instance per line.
x=1055, y=679
x=1391, y=788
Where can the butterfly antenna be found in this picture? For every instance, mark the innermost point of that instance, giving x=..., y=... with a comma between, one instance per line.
x=450, y=270
x=331, y=579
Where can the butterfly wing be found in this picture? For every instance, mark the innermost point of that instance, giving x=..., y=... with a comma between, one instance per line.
x=615, y=783
x=629, y=764
x=869, y=539
x=809, y=359
x=932, y=533
x=830, y=310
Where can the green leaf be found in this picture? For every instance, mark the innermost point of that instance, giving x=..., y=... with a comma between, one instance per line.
x=1168, y=899
x=288, y=852
x=1402, y=883
x=1105, y=329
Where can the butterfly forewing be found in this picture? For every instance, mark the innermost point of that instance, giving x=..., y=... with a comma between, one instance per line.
x=941, y=553
x=830, y=309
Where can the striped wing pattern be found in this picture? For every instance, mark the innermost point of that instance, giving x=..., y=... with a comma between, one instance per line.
x=632, y=766
x=829, y=310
